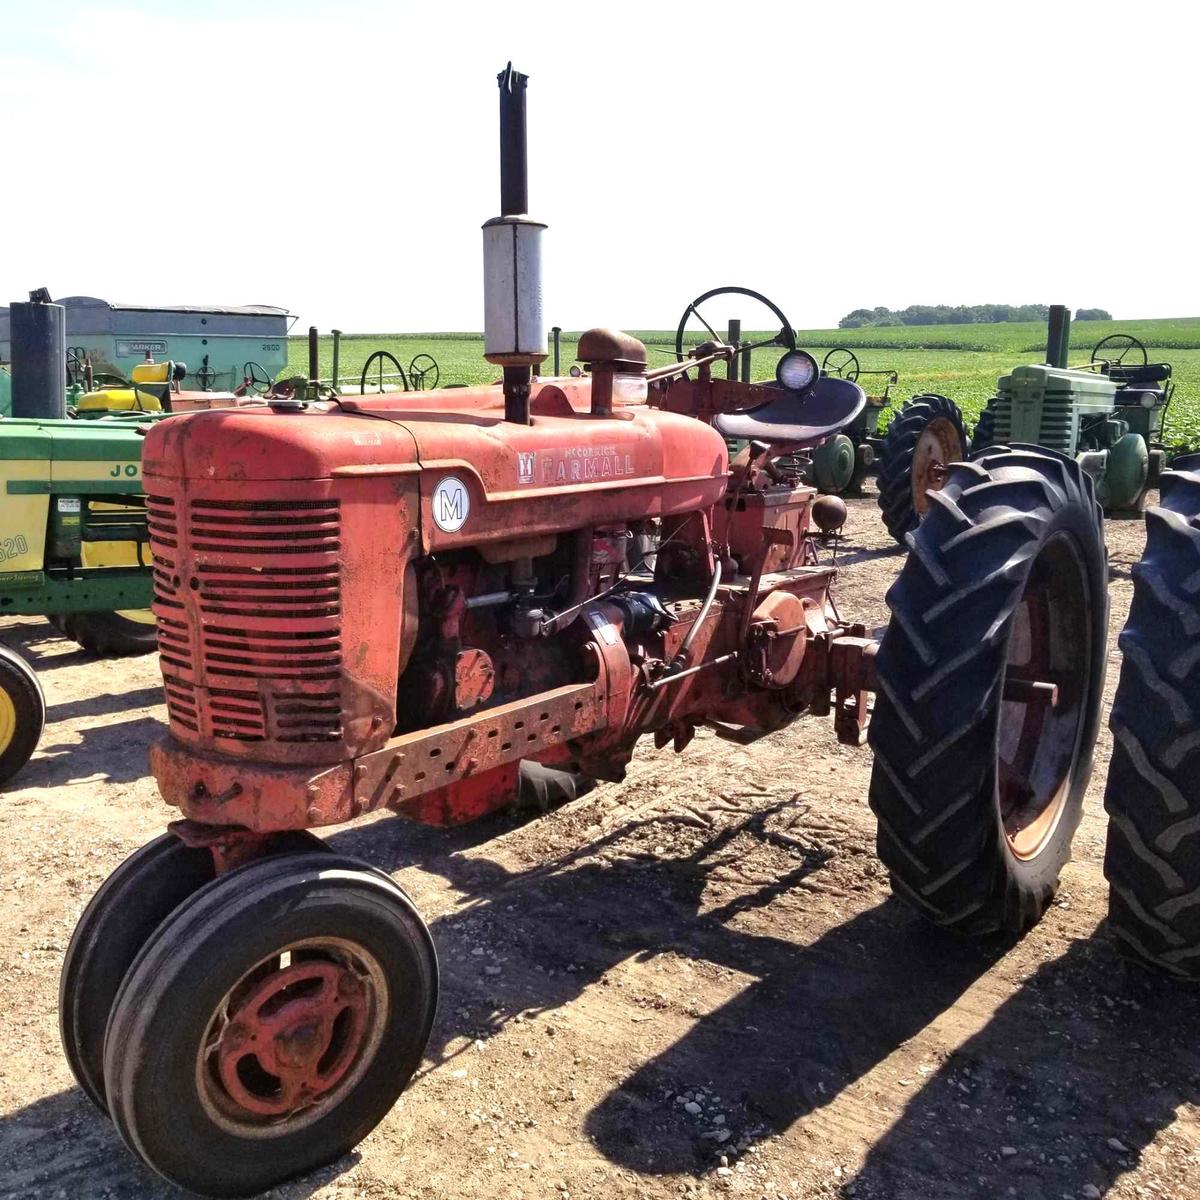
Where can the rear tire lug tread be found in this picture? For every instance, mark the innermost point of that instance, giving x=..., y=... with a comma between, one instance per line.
x=1152, y=859
x=940, y=837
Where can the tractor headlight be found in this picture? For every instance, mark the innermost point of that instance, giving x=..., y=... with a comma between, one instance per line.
x=797, y=371
x=1149, y=400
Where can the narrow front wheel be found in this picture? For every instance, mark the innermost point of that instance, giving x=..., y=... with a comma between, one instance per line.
x=118, y=921
x=270, y=1023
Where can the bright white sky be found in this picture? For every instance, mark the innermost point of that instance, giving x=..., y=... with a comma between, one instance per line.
x=339, y=158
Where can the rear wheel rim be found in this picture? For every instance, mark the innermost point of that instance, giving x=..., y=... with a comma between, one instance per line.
x=937, y=446
x=292, y=1037
x=1041, y=730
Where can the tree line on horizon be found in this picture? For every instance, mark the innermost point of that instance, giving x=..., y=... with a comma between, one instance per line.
x=959, y=314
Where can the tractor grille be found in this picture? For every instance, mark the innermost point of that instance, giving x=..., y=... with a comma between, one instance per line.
x=1052, y=424
x=264, y=594
x=174, y=644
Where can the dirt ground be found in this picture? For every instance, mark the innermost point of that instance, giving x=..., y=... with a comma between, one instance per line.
x=692, y=984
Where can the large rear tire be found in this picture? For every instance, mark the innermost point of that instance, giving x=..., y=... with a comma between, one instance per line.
x=980, y=768
x=109, y=634
x=270, y=1023
x=1153, y=791
x=926, y=436
x=22, y=713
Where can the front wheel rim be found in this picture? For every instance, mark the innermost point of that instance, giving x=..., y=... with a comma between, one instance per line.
x=8, y=720
x=1047, y=683
x=292, y=1037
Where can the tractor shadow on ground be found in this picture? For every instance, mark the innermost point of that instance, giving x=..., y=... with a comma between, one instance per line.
x=812, y=1020
x=105, y=703
x=61, y=1146
x=1085, y=1051
x=1066, y=1086
x=42, y=645
x=848, y=555
x=115, y=753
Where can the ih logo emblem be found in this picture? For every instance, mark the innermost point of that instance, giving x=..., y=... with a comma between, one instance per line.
x=525, y=462
x=451, y=504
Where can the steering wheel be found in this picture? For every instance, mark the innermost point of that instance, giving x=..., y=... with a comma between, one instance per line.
x=1121, y=344
x=383, y=356
x=785, y=337
x=255, y=378
x=420, y=369
x=841, y=362
x=206, y=376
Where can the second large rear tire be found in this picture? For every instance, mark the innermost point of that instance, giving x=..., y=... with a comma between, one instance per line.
x=978, y=778
x=1153, y=792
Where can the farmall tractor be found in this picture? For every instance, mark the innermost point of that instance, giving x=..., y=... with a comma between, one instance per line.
x=391, y=603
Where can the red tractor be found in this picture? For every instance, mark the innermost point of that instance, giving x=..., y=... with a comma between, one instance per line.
x=393, y=602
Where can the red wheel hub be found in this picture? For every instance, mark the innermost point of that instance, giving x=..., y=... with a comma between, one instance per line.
x=292, y=1038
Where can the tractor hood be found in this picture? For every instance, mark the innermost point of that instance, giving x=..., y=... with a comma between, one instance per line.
x=480, y=477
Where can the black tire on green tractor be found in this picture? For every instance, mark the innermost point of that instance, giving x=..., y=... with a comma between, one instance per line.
x=22, y=713
x=984, y=433
x=108, y=634
x=989, y=683
x=118, y=921
x=1152, y=796
x=282, y=1008
x=926, y=435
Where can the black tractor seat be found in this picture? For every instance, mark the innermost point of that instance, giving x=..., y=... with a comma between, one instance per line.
x=1141, y=375
x=798, y=418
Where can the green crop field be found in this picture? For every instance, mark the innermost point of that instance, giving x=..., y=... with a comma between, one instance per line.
x=959, y=361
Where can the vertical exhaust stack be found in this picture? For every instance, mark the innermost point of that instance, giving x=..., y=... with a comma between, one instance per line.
x=1058, y=336
x=39, y=357
x=514, y=328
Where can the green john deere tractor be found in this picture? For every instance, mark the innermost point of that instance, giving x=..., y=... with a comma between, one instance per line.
x=73, y=543
x=74, y=549
x=1107, y=415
